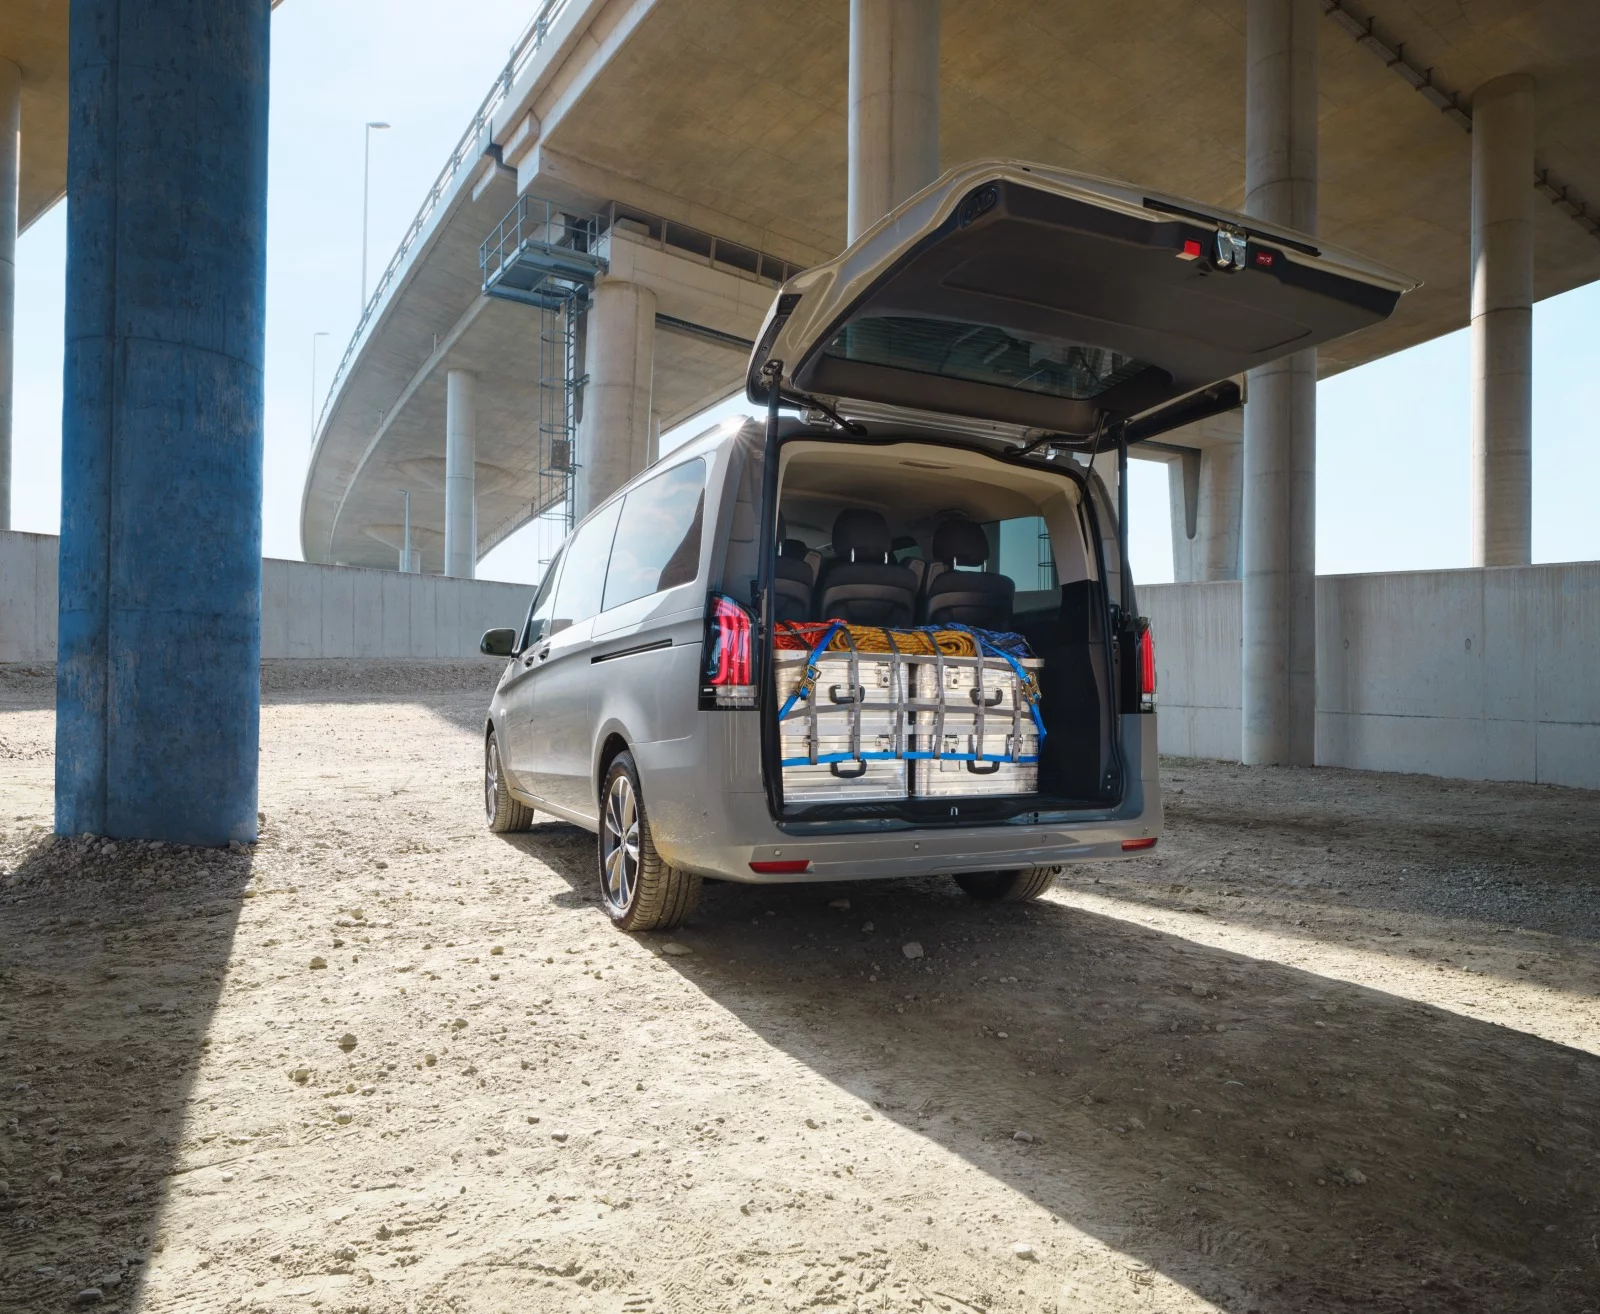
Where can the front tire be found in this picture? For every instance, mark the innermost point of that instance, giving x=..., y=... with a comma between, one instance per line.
x=1008, y=886
x=641, y=891
x=505, y=814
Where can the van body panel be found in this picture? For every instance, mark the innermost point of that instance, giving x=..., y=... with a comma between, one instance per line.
x=709, y=815
x=631, y=673
x=557, y=764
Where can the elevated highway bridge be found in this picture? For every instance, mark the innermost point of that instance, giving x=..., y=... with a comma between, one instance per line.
x=710, y=146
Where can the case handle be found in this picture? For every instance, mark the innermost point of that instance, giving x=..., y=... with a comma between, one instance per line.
x=993, y=700
x=861, y=770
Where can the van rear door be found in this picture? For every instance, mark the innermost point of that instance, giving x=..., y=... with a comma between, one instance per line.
x=1028, y=296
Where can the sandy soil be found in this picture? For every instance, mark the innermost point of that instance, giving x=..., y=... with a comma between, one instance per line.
x=1334, y=1046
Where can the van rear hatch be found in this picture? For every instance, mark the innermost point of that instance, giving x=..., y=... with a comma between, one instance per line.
x=1028, y=296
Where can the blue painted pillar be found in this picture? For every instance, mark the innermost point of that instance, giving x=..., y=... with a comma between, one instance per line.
x=158, y=675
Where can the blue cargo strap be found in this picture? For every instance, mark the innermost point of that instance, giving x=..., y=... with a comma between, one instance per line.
x=808, y=678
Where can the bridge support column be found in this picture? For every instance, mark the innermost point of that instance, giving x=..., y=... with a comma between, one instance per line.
x=1502, y=322
x=615, y=442
x=159, y=655
x=1280, y=418
x=1203, y=490
x=894, y=106
x=10, y=155
x=460, y=476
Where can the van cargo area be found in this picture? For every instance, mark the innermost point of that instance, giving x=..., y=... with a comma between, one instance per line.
x=945, y=644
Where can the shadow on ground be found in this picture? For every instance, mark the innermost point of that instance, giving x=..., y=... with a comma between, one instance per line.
x=1271, y=1139
x=110, y=969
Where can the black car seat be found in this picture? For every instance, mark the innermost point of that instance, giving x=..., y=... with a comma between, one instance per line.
x=792, y=579
x=860, y=584
x=968, y=597
x=916, y=565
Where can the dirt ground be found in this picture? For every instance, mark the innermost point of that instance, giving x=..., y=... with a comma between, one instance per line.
x=1335, y=1045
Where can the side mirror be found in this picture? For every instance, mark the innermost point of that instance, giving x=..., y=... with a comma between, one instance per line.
x=498, y=643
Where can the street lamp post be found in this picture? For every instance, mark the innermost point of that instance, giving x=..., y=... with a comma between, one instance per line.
x=314, y=337
x=366, y=178
x=405, y=551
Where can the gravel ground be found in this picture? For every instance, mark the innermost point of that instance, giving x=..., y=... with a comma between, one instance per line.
x=1335, y=1044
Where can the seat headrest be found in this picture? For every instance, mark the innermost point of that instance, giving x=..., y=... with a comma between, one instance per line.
x=960, y=543
x=792, y=547
x=860, y=535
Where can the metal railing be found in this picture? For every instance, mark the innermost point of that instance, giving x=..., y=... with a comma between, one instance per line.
x=557, y=238
x=718, y=252
x=552, y=227
x=466, y=150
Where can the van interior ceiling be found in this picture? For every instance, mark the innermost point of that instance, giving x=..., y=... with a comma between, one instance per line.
x=919, y=533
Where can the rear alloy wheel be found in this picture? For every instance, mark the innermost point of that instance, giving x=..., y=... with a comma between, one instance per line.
x=641, y=891
x=505, y=813
x=1008, y=886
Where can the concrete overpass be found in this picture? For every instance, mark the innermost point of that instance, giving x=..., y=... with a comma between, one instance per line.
x=727, y=123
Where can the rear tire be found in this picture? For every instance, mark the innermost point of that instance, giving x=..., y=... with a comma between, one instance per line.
x=505, y=814
x=641, y=891
x=1008, y=886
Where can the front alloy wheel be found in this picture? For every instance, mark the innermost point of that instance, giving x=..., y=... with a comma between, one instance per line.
x=504, y=813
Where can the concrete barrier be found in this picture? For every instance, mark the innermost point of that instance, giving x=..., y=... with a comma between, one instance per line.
x=1481, y=674
x=307, y=611
x=1478, y=674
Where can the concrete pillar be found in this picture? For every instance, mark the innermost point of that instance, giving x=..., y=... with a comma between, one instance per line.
x=1204, y=491
x=1280, y=418
x=10, y=163
x=460, y=476
x=615, y=442
x=159, y=656
x=1502, y=322
x=894, y=106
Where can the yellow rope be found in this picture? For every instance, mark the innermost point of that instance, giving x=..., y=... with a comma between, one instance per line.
x=916, y=643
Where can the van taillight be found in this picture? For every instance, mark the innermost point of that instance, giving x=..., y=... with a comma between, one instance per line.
x=728, y=678
x=1147, y=668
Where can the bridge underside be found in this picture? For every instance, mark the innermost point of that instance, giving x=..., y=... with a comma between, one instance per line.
x=731, y=118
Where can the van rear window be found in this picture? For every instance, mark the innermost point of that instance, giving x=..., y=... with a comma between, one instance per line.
x=982, y=353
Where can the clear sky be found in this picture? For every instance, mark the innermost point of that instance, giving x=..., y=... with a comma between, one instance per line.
x=1392, y=442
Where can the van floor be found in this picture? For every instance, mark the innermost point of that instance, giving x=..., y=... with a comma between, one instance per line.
x=1336, y=1044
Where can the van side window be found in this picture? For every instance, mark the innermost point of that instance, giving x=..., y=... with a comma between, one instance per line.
x=543, y=606
x=583, y=575
x=657, y=544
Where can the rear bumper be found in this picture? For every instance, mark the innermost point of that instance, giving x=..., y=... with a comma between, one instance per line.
x=708, y=814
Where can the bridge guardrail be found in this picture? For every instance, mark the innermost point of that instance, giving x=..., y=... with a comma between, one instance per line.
x=466, y=150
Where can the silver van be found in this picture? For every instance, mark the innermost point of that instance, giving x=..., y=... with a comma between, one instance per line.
x=963, y=384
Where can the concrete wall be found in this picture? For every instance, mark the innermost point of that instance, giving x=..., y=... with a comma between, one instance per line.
x=306, y=610
x=1482, y=674
x=28, y=597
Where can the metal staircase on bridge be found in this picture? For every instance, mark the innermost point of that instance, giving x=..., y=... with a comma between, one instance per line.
x=543, y=255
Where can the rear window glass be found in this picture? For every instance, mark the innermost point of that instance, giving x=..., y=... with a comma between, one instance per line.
x=658, y=540
x=981, y=353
